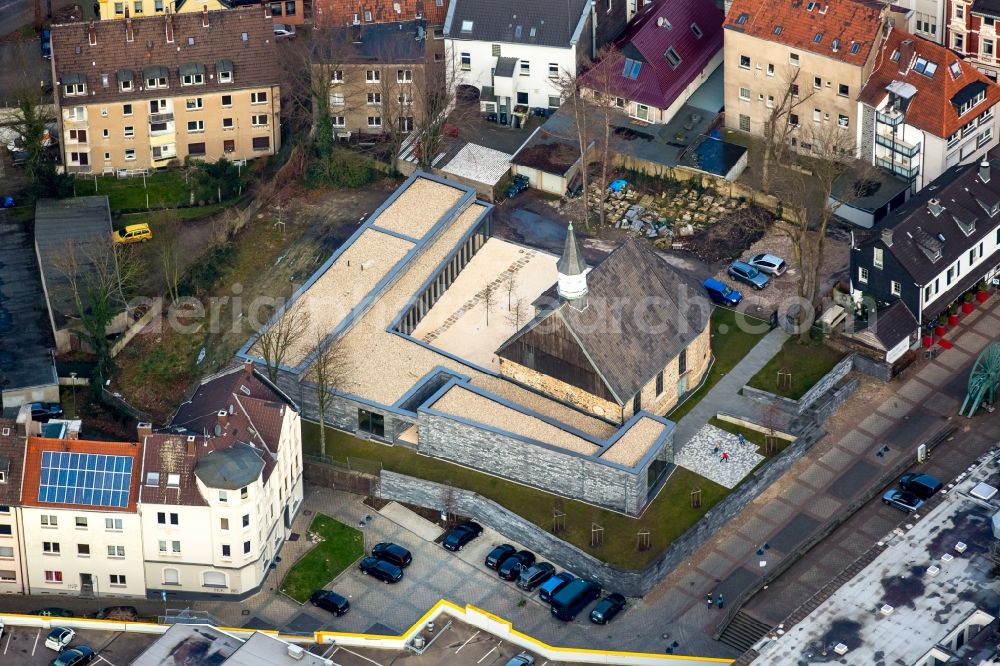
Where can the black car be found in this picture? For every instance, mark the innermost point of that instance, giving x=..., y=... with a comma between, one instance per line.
x=535, y=575
x=120, y=613
x=384, y=571
x=330, y=601
x=43, y=411
x=81, y=654
x=923, y=486
x=461, y=534
x=607, y=608
x=393, y=554
x=498, y=555
x=513, y=565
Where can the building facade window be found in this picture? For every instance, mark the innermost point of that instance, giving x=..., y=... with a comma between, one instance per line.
x=863, y=275
x=896, y=288
x=53, y=577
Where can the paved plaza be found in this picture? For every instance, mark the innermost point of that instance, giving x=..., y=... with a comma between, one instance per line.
x=718, y=456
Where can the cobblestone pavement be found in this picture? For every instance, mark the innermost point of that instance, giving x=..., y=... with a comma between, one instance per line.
x=719, y=456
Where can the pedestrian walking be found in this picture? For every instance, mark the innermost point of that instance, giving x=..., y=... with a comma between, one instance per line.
x=743, y=440
x=725, y=456
x=708, y=598
x=720, y=601
x=716, y=449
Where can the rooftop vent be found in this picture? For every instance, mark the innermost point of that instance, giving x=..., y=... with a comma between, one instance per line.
x=663, y=22
x=935, y=207
x=296, y=652
x=984, y=171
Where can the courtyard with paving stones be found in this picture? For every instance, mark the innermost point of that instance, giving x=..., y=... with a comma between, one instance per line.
x=703, y=454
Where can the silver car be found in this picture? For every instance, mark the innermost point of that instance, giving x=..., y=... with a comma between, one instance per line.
x=768, y=263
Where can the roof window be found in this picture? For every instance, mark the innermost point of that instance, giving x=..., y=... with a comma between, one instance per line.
x=818, y=38
x=777, y=29
x=672, y=57
x=152, y=478
x=696, y=30
x=466, y=26
x=925, y=67
x=811, y=6
x=855, y=48
x=631, y=69
x=742, y=18
x=955, y=69
x=173, y=480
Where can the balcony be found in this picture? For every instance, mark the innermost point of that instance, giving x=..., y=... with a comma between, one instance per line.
x=78, y=168
x=892, y=119
x=898, y=169
x=156, y=118
x=897, y=146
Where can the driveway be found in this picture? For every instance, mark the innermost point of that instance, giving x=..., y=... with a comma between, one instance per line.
x=21, y=65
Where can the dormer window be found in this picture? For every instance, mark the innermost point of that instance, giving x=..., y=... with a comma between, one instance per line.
x=192, y=74
x=74, y=84
x=156, y=77
x=224, y=70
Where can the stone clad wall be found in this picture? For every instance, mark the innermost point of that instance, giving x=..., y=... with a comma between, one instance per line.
x=796, y=407
x=549, y=469
x=560, y=390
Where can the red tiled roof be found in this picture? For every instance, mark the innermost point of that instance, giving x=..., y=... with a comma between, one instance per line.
x=930, y=109
x=330, y=13
x=855, y=25
x=33, y=469
x=647, y=39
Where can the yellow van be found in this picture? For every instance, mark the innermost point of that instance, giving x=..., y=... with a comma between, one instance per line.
x=133, y=233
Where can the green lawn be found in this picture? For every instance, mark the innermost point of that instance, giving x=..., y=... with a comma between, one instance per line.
x=155, y=218
x=166, y=189
x=755, y=436
x=342, y=545
x=806, y=362
x=733, y=335
x=666, y=518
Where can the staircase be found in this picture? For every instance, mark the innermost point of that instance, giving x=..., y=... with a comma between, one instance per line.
x=744, y=631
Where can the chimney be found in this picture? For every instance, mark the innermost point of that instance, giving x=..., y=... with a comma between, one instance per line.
x=267, y=8
x=248, y=368
x=984, y=170
x=204, y=16
x=169, y=27
x=144, y=430
x=129, y=34
x=887, y=237
x=190, y=447
x=93, y=34
x=906, y=53
x=223, y=417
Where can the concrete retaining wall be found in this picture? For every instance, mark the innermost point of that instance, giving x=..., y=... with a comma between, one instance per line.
x=820, y=388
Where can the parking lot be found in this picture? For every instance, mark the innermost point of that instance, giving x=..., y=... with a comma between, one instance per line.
x=25, y=646
x=454, y=644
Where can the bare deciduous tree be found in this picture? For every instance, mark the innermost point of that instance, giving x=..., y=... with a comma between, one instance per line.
x=517, y=314
x=274, y=342
x=170, y=255
x=574, y=100
x=489, y=298
x=510, y=286
x=779, y=124
x=328, y=372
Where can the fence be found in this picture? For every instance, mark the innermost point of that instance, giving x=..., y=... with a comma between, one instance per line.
x=155, y=310
x=118, y=402
x=324, y=471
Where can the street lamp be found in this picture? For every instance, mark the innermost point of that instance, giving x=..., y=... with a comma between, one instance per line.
x=72, y=377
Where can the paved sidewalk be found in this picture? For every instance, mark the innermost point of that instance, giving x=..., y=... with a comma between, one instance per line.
x=834, y=473
x=724, y=396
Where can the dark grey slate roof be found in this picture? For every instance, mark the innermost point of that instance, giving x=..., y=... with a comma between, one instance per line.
x=641, y=313
x=571, y=262
x=917, y=233
x=81, y=225
x=516, y=21
x=231, y=468
x=383, y=43
x=890, y=325
x=505, y=67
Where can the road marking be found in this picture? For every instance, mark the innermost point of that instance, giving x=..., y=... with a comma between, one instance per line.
x=9, y=636
x=488, y=654
x=467, y=641
x=362, y=656
x=102, y=658
x=35, y=646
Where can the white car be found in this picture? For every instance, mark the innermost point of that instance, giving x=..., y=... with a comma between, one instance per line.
x=59, y=638
x=283, y=31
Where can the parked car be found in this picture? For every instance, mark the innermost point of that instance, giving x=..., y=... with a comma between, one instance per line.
x=284, y=31
x=744, y=272
x=548, y=589
x=393, y=554
x=923, y=486
x=722, y=293
x=43, y=411
x=59, y=638
x=513, y=565
x=81, y=654
x=6, y=202
x=53, y=612
x=497, y=556
x=523, y=659
x=574, y=598
x=607, y=608
x=461, y=534
x=330, y=601
x=120, y=613
x=519, y=185
x=902, y=500
x=768, y=263
x=384, y=571
x=46, y=43
x=133, y=233
x=535, y=575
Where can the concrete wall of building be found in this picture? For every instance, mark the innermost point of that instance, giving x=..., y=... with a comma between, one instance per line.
x=127, y=128
x=12, y=573
x=770, y=73
x=95, y=535
x=548, y=468
x=665, y=115
x=349, y=103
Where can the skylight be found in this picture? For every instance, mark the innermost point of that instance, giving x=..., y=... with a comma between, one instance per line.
x=672, y=57
x=925, y=67
x=895, y=56
x=836, y=45
x=855, y=47
x=955, y=69
x=818, y=38
x=517, y=32
x=631, y=69
x=466, y=26
x=777, y=29
x=742, y=18
x=696, y=30
x=811, y=6
x=533, y=32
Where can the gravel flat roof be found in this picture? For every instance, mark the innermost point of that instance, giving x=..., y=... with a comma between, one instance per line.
x=418, y=208
x=461, y=402
x=635, y=443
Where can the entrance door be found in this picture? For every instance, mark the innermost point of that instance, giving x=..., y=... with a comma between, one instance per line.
x=682, y=386
x=86, y=583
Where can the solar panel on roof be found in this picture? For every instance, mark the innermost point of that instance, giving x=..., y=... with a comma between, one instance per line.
x=85, y=478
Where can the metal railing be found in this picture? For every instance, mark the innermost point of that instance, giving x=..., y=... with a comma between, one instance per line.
x=895, y=145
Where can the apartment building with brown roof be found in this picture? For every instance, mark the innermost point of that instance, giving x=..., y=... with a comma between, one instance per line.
x=820, y=52
x=149, y=92
x=12, y=450
x=220, y=487
x=335, y=13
